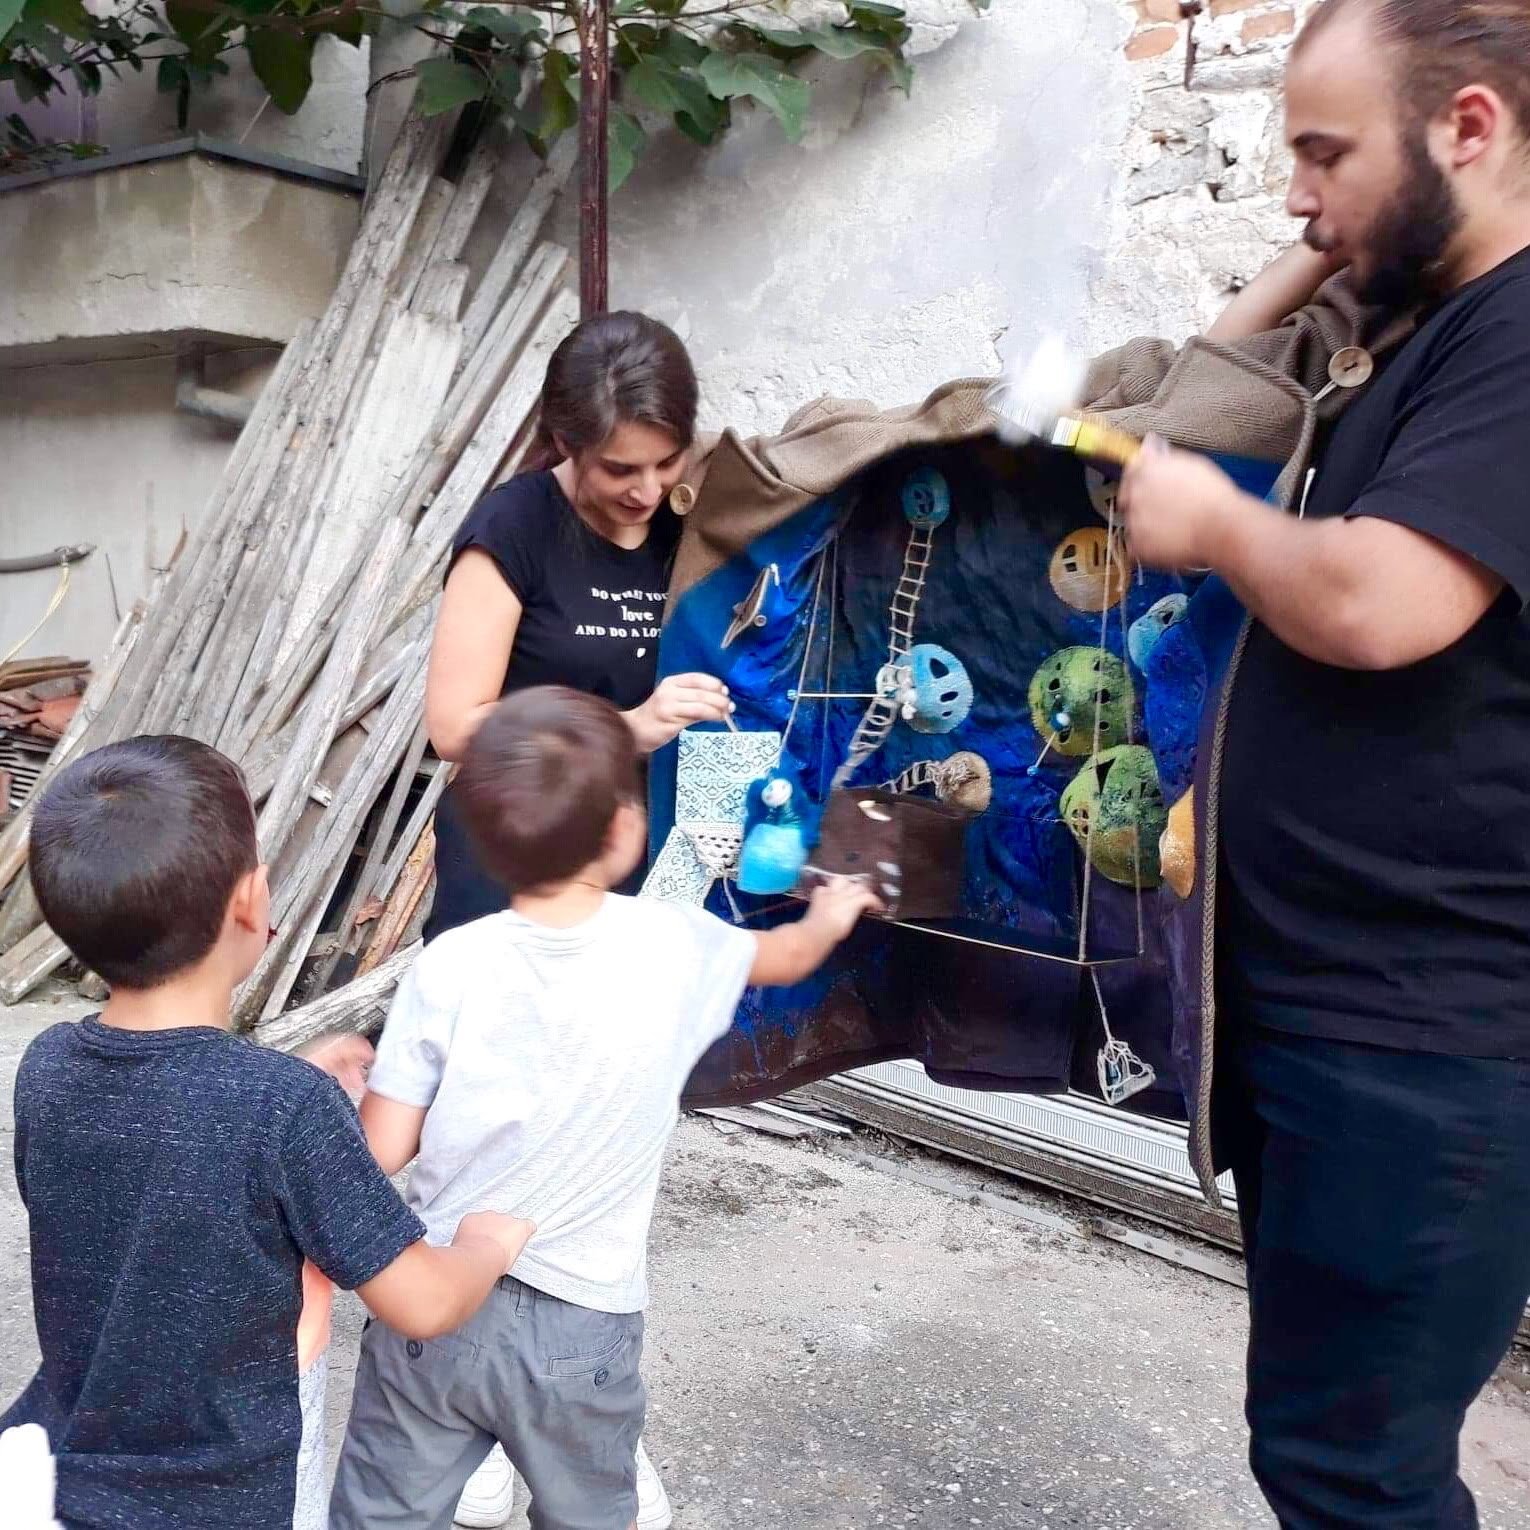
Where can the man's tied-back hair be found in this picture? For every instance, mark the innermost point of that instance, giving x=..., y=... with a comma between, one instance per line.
x=136, y=850
x=541, y=781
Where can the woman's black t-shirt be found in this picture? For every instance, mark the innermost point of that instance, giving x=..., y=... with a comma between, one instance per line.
x=590, y=610
x=590, y=617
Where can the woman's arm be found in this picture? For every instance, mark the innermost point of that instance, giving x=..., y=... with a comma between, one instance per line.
x=470, y=652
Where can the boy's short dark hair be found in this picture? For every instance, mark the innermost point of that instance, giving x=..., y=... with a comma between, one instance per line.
x=136, y=850
x=541, y=781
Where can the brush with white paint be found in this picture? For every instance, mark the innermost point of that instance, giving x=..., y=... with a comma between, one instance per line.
x=27, y=1478
x=1039, y=402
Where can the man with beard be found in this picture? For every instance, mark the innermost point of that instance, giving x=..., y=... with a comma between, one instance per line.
x=1373, y=975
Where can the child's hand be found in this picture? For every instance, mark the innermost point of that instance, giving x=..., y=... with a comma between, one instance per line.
x=345, y=1058
x=511, y=1233
x=835, y=906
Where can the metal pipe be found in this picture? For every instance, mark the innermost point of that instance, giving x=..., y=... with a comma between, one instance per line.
x=193, y=397
x=594, y=112
x=55, y=559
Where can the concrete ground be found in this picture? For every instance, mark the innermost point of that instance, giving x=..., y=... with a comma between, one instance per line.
x=832, y=1347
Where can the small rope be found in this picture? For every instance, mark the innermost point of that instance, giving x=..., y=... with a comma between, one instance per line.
x=42, y=621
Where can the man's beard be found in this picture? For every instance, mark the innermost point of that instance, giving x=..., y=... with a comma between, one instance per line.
x=1410, y=238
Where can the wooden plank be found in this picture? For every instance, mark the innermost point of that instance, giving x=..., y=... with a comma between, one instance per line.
x=29, y=962
x=377, y=852
x=500, y=275
x=393, y=657
x=330, y=691
x=420, y=248
x=471, y=472
x=361, y=1005
x=441, y=290
x=402, y=397
x=419, y=821
x=292, y=902
x=419, y=873
x=472, y=192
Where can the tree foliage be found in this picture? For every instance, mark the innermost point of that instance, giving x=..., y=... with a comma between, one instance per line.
x=688, y=61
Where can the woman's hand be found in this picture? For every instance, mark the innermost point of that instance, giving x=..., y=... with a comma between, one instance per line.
x=679, y=701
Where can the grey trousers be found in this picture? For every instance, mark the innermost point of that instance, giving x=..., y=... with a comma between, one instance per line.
x=557, y=1385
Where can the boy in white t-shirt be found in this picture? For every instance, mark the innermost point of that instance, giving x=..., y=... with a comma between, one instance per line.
x=534, y=1061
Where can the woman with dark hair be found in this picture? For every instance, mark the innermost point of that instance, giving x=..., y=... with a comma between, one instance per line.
x=558, y=577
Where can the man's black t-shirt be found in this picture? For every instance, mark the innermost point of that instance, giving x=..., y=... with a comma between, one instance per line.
x=590, y=610
x=174, y=1182
x=1376, y=826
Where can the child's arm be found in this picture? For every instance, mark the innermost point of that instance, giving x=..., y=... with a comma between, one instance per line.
x=429, y=1291
x=795, y=951
x=1285, y=285
x=393, y=1130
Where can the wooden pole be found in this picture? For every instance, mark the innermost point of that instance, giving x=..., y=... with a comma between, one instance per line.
x=594, y=106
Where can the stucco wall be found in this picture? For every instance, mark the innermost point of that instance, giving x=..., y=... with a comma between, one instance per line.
x=142, y=254
x=97, y=453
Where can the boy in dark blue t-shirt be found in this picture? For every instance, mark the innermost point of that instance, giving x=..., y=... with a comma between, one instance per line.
x=176, y=1177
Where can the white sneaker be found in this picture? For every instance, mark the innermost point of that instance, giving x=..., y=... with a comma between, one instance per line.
x=489, y=1496
x=654, y=1512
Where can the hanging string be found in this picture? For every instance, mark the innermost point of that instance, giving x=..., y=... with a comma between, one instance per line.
x=1131, y=738
x=1085, y=900
x=42, y=621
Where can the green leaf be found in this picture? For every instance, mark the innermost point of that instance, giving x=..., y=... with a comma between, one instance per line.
x=348, y=26
x=625, y=139
x=676, y=48
x=881, y=20
x=10, y=11
x=636, y=39
x=730, y=75
x=68, y=16
x=507, y=81
x=282, y=63
x=508, y=24
x=706, y=127
x=664, y=88
x=900, y=69
x=448, y=82
x=171, y=74
x=189, y=22
x=791, y=39
x=628, y=7
x=560, y=98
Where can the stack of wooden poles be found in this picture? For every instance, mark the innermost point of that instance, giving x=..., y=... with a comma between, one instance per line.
x=291, y=630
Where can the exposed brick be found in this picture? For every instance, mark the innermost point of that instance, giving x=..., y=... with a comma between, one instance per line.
x=1160, y=10
x=1153, y=43
x=1275, y=24
x=1227, y=7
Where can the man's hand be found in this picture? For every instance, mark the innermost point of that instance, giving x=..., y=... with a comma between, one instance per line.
x=1176, y=506
x=512, y=1234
